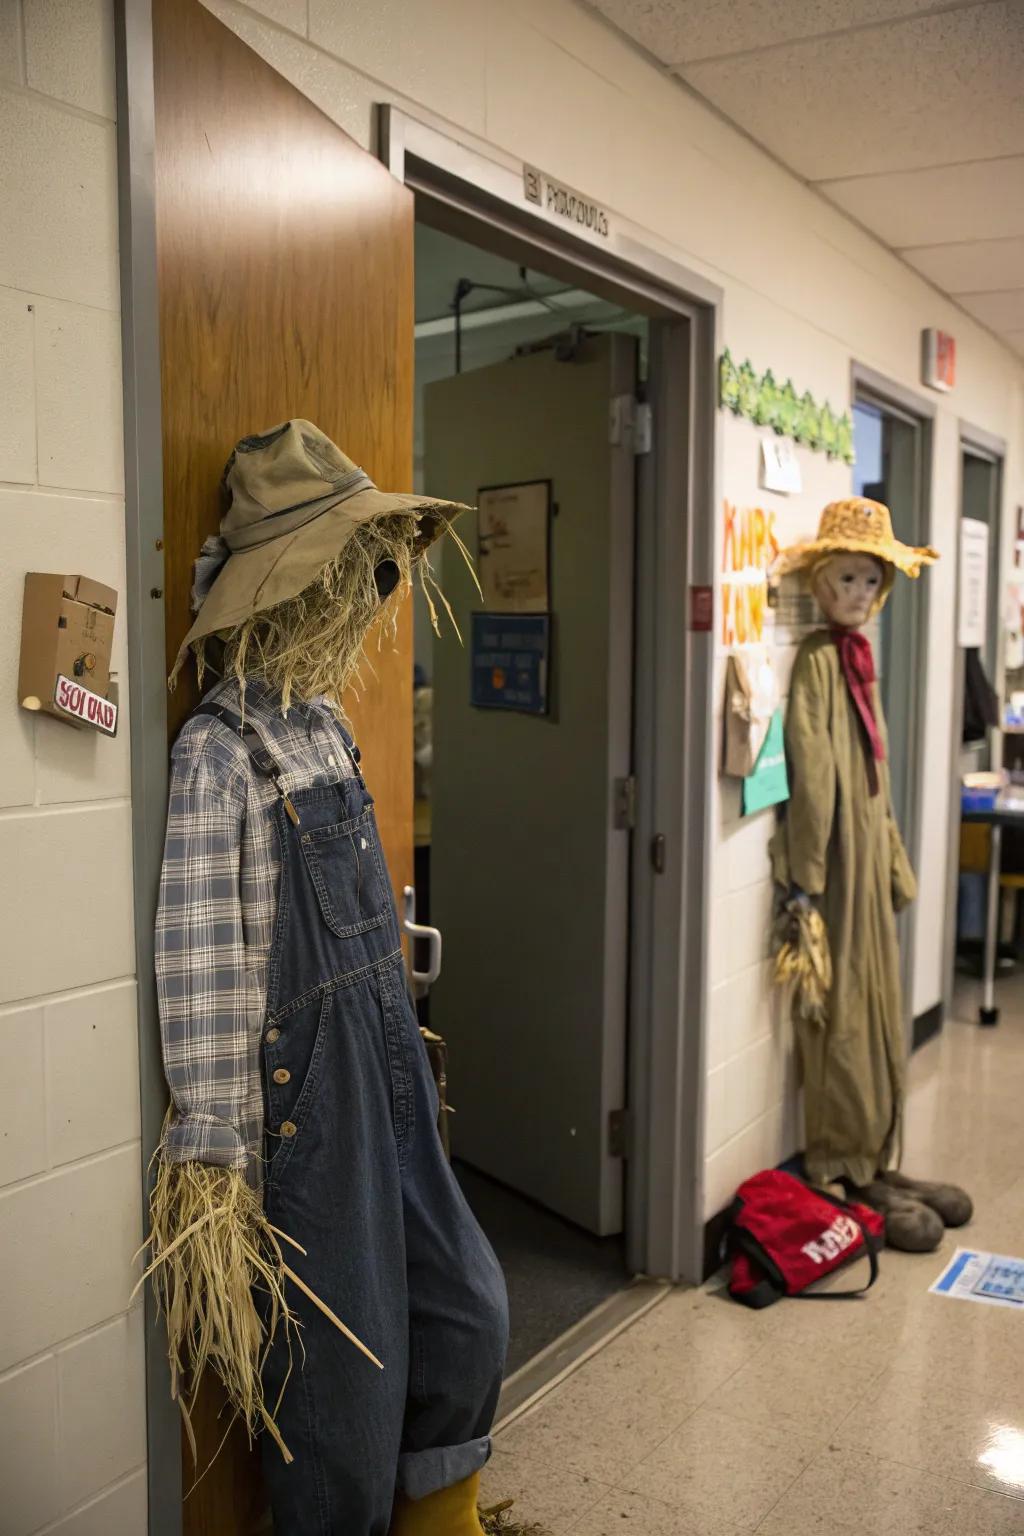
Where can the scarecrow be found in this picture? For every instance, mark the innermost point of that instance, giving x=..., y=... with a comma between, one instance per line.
x=309, y=1241
x=843, y=872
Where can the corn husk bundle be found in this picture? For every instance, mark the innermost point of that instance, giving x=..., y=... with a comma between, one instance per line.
x=803, y=959
x=212, y=1254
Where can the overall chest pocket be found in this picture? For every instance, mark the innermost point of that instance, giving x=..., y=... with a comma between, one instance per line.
x=347, y=872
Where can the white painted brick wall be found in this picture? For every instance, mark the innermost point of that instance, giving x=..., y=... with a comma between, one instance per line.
x=805, y=292
x=72, y=1451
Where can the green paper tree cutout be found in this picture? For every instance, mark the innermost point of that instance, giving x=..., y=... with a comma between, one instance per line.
x=765, y=402
x=844, y=439
x=728, y=383
x=748, y=391
x=786, y=416
x=767, y=409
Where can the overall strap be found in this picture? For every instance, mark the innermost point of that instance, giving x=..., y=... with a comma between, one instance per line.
x=265, y=764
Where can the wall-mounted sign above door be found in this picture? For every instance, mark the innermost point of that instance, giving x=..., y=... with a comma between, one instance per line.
x=562, y=201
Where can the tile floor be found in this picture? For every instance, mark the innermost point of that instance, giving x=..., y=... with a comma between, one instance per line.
x=902, y=1413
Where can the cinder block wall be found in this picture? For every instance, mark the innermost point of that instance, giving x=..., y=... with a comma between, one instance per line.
x=72, y=1446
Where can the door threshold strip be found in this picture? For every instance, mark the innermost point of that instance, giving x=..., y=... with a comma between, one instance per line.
x=576, y=1346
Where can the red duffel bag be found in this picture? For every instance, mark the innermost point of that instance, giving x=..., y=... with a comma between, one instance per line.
x=783, y=1236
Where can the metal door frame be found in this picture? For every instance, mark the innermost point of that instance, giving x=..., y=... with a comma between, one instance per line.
x=918, y=412
x=147, y=680
x=481, y=196
x=983, y=445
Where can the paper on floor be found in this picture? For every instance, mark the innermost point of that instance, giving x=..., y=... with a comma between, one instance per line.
x=993, y=1278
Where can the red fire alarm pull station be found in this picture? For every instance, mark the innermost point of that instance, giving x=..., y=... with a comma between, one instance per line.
x=67, y=636
x=938, y=360
x=702, y=609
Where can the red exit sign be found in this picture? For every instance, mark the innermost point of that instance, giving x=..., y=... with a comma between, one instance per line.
x=938, y=359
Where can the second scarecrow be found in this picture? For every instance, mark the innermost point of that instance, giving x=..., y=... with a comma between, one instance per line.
x=843, y=872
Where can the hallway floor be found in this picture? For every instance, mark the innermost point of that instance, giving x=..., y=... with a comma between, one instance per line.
x=897, y=1414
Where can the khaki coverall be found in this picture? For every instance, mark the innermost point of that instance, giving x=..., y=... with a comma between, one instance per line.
x=840, y=844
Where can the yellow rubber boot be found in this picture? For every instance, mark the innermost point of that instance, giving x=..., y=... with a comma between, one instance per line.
x=448, y=1512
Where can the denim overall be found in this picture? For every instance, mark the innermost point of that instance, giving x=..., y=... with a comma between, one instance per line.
x=357, y=1175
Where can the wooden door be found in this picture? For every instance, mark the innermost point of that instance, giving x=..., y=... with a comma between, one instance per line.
x=529, y=873
x=285, y=280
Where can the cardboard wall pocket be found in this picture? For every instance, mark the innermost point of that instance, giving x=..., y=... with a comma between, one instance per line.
x=67, y=634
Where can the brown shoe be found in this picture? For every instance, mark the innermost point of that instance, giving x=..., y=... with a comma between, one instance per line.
x=949, y=1201
x=909, y=1225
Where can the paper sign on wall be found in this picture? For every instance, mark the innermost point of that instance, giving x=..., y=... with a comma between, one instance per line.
x=514, y=544
x=973, y=583
x=780, y=467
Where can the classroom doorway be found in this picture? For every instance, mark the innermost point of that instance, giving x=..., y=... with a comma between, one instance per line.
x=528, y=390
x=891, y=442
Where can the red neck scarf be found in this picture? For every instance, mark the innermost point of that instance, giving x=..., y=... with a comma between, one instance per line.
x=858, y=666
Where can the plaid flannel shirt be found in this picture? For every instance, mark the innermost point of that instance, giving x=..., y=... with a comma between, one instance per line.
x=216, y=913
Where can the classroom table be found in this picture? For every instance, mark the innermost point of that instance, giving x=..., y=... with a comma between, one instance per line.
x=1008, y=811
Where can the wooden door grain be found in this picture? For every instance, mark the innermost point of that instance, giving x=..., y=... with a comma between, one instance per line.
x=285, y=288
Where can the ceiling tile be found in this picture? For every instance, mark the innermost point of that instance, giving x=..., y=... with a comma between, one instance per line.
x=984, y=201
x=970, y=266
x=914, y=93
x=682, y=31
x=999, y=311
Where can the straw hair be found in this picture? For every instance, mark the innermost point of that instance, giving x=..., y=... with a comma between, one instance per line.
x=312, y=646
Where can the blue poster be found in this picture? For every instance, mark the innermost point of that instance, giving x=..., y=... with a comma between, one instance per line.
x=510, y=659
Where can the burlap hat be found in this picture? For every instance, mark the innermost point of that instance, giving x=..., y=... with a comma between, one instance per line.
x=293, y=502
x=856, y=526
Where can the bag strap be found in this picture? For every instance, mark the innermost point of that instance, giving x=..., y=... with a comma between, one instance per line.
x=767, y=1291
x=871, y=1249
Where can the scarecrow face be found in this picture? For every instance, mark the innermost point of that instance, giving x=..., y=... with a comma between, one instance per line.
x=849, y=587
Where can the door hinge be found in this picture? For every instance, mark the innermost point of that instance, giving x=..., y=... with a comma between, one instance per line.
x=630, y=423
x=618, y=1133
x=625, y=804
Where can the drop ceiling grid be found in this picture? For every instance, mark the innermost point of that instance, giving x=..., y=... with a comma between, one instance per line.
x=907, y=115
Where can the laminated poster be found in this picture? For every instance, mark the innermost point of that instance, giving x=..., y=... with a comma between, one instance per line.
x=510, y=657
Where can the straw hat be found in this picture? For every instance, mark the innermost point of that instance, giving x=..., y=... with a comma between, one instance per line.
x=294, y=500
x=855, y=526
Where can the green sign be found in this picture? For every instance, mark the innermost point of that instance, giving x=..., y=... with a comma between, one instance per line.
x=767, y=403
x=768, y=784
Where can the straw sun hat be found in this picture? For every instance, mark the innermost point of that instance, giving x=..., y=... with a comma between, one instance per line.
x=294, y=500
x=855, y=526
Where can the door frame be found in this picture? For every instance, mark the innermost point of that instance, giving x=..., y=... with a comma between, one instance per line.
x=147, y=679
x=481, y=196
x=984, y=445
x=885, y=394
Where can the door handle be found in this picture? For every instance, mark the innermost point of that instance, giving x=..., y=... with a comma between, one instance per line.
x=421, y=980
